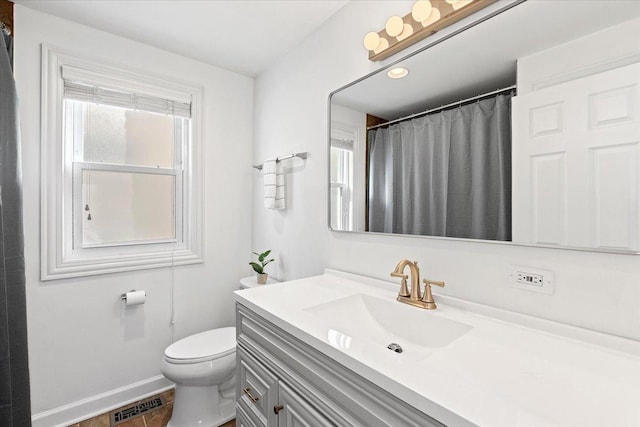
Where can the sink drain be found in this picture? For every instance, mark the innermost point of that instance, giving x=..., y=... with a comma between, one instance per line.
x=395, y=347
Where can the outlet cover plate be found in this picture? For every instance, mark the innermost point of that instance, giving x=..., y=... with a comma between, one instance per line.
x=531, y=279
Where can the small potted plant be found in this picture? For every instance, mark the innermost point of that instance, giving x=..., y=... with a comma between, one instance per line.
x=259, y=266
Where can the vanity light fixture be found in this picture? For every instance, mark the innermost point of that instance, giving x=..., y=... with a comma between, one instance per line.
x=426, y=18
x=458, y=4
x=397, y=73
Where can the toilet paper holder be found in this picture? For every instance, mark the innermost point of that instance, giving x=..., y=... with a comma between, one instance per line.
x=133, y=297
x=123, y=296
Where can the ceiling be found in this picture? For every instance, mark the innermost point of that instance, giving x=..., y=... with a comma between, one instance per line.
x=241, y=36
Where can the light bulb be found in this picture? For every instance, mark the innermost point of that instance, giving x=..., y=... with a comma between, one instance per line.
x=382, y=46
x=435, y=16
x=421, y=10
x=397, y=73
x=394, y=26
x=408, y=30
x=371, y=40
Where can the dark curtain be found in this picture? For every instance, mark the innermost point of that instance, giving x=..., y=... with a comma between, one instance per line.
x=444, y=174
x=15, y=404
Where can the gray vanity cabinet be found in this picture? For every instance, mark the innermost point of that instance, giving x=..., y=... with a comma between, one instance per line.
x=296, y=411
x=283, y=381
x=242, y=419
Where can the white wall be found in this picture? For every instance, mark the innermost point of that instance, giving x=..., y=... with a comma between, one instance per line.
x=597, y=52
x=81, y=341
x=593, y=290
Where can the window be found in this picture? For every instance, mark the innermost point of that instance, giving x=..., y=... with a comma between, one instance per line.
x=347, y=173
x=341, y=184
x=121, y=184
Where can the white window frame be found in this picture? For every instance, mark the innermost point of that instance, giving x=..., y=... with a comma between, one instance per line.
x=354, y=134
x=59, y=257
x=79, y=167
x=344, y=184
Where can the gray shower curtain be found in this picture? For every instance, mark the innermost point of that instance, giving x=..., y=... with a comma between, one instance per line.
x=444, y=174
x=15, y=405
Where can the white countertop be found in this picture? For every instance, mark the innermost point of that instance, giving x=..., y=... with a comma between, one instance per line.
x=507, y=370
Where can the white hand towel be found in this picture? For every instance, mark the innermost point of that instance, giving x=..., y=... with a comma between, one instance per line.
x=273, y=185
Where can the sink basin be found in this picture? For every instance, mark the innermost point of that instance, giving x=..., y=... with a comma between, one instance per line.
x=363, y=317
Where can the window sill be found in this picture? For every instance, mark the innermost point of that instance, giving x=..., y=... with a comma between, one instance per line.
x=85, y=266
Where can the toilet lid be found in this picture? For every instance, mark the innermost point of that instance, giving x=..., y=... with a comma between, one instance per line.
x=208, y=344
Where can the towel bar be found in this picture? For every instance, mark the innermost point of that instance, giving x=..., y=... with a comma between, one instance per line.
x=302, y=155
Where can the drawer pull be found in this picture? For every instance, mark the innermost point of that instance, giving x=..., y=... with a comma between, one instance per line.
x=277, y=409
x=247, y=391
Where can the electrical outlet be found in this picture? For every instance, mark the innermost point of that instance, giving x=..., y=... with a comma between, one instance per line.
x=527, y=278
x=531, y=279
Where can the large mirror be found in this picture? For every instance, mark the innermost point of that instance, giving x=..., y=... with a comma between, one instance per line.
x=523, y=128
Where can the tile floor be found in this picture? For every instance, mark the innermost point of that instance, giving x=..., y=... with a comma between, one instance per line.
x=156, y=418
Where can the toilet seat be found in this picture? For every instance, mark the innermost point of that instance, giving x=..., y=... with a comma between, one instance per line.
x=202, y=347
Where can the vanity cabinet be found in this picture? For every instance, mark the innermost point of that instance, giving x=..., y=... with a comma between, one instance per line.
x=283, y=381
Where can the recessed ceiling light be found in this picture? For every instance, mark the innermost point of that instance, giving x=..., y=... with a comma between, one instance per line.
x=397, y=73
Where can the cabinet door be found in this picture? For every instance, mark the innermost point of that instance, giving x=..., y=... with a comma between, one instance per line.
x=576, y=158
x=293, y=411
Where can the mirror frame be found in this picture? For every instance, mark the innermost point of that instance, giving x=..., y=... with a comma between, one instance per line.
x=480, y=17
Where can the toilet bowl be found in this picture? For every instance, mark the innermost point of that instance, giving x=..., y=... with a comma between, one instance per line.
x=203, y=368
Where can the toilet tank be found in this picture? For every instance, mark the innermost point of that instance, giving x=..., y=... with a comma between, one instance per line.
x=252, y=281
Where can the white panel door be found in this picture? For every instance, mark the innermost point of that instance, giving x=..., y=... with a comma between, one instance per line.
x=575, y=162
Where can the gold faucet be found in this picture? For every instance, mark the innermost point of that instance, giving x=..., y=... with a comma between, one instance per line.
x=415, y=279
x=414, y=297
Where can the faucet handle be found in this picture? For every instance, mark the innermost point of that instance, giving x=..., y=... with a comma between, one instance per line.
x=404, y=290
x=430, y=304
x=433, y=282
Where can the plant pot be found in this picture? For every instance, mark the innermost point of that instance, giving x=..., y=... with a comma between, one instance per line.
x=262, y=278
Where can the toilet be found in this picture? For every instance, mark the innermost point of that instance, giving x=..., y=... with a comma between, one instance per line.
x=203, y=368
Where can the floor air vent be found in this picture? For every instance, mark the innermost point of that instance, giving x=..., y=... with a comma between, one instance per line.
x=136, y=410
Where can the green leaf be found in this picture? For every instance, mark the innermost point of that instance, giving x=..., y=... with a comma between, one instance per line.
x=265, y=263
x=263, y=255
x=256, y=267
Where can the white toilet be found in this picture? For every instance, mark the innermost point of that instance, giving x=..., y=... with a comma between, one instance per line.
x=203, y=368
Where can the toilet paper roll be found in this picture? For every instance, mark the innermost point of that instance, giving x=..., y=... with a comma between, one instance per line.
x=134, y=298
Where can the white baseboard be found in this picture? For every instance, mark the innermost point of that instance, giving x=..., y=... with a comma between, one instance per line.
x=90, y=407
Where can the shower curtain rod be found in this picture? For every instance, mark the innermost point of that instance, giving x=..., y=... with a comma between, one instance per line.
x=422, y=113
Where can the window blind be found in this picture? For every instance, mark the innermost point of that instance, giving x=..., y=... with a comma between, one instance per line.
x=343, y=144
x=90, y=93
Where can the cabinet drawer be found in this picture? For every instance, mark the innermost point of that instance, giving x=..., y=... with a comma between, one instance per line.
x=243, y=419
x=257, y=388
